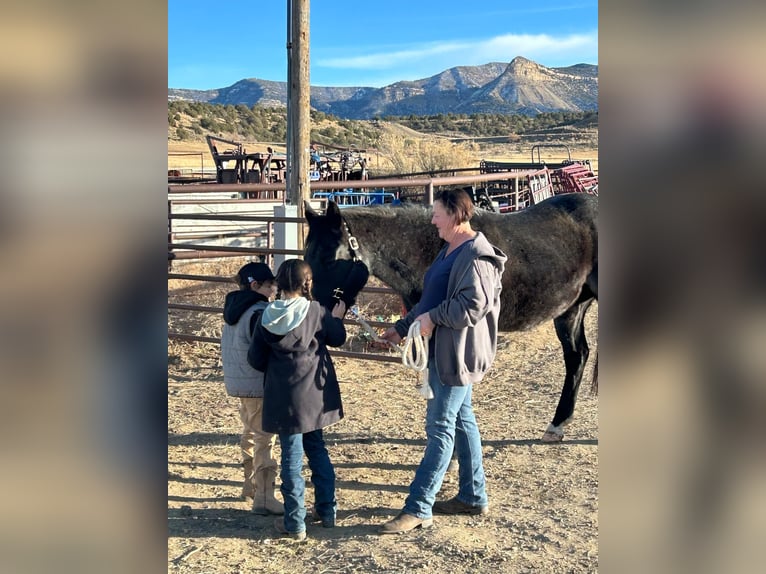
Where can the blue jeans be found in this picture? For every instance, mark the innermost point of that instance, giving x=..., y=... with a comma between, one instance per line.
x=293, y=486
x=450, y=422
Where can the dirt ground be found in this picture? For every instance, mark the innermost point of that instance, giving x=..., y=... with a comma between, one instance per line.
x=543, y=498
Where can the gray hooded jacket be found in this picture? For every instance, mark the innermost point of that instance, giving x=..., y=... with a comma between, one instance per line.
x=465, y=333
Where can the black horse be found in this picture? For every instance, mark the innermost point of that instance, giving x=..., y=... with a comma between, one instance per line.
x=551, y=272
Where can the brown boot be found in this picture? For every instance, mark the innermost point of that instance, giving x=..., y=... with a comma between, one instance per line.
x=404, y=523
x=264, y=501
x=326, y=522
x=279, y=526
x=248, y=488
x=455, y=506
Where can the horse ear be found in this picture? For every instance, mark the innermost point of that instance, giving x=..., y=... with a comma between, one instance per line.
x=309, y=211
x=333, y=213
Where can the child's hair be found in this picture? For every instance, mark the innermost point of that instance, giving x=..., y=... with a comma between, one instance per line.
x=294, y=276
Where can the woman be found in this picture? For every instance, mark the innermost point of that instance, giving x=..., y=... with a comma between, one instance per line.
x=301, y=391
x=459, y=310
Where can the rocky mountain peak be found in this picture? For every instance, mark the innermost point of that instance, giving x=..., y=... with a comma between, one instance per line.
x=526, y=70
x=521, y=86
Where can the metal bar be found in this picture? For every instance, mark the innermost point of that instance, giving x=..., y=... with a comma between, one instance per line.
x=433, y=173
x=539, y=146
x=230, y=217
x=170, y=239
x=333, y=352
x=225, y=249
x=366, y=356
x=203, y=254
x=226, y=188
x=180, y=235
x=429, y=199
x=215, y=279
x=225, y=201
x=195, y=308
x=210, y=278
x=419, y=182
x=218, y=310
x=269, y=243
x=185, y=337
x=387, y=290
x=191, y=179
x=353, y=184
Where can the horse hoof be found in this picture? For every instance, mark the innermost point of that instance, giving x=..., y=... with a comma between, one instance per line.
x=550, y=437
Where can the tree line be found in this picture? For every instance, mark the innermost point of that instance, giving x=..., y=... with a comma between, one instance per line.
x=193, y=120
x=484, y=125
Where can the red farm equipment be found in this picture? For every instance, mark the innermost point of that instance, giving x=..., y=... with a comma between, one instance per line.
x=541, y=179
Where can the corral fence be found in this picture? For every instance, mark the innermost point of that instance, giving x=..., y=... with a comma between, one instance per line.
x=212, y=221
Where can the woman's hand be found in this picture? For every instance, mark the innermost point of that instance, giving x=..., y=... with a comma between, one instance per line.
x=339, y=311
x=391, y=336
x=426, y=325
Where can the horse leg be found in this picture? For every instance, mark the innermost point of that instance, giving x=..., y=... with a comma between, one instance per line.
x=571, y=332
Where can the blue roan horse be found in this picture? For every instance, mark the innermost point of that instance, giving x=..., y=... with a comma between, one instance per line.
x=551, y=272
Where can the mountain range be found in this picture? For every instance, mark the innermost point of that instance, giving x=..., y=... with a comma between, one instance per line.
x=519, y=87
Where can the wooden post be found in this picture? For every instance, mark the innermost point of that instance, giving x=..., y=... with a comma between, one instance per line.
x=298, y=116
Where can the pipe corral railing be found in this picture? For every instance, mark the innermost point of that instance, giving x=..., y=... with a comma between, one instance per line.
x=427, y=183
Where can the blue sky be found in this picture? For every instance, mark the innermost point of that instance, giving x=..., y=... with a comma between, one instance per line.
x=213, y=45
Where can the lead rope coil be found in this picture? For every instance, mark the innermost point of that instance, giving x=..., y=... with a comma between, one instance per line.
x=415, y=356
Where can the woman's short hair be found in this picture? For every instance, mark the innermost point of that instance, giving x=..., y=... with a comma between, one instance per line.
x=294, y=276
x=456, y=202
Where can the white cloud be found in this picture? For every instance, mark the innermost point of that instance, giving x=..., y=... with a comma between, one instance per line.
x=386, y=60
x=539, y=47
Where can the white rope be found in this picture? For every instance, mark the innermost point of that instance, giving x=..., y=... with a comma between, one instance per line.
x=366, y=326
x=418, y=360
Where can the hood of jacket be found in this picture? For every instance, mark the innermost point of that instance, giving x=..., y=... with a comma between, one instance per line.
x=484, y=249
x=237, y=302
x=282, y=316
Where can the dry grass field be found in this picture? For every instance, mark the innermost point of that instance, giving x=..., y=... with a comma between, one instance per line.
x=543, y=498
x=583, y=145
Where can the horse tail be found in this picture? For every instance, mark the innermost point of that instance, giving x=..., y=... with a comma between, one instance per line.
x=594, y=382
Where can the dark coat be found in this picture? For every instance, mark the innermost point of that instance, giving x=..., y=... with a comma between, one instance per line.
x=301, y=391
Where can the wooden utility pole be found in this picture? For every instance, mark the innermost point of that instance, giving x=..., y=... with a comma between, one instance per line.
x=298, y=106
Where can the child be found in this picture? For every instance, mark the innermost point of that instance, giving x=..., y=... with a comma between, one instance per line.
x=241, y=312
x=301, y=393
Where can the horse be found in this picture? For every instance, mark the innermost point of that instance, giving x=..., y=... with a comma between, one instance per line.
x=551, y=272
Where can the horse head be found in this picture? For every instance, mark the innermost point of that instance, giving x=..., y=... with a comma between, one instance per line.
x=330, y=251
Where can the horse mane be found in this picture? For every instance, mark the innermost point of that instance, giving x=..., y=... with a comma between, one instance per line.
x=396, y=243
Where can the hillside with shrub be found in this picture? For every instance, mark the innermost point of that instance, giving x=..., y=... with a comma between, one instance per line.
x=191, y=121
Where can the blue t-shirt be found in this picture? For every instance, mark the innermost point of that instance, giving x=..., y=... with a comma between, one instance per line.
x=436, y=281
